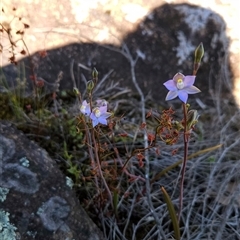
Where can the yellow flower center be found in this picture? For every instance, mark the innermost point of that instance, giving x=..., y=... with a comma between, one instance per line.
x=97, y=112
x=180, y=83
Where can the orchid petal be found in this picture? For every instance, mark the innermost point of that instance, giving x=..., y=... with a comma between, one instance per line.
x=171, y=95
x=189, y=81
x=103, y=109
x=85, y=108
x=106, y=115
x=192, y=90
x=178, y=76
x=170, y=85
x=101, y=102
x=102, y=120
x=95, y=122
x=92, y=116
x=87, y=111
x=183, y=96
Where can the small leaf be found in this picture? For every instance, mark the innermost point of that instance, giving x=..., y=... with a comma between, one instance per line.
x=172, y=213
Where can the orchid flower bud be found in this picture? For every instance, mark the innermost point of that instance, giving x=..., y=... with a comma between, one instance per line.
x=76, y=91
x=95, y=73
x=192, y=118
x=199, y=52
x=90, y=86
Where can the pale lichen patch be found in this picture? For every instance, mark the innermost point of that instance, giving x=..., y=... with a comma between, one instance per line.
x=7, y=148
x=31, y=234
x=69, y=182
x=24, y=162
x=197, y=18
x=184, y=49
x=3, y=194
x=7, y=230
x=19, y=178
x=53, y=212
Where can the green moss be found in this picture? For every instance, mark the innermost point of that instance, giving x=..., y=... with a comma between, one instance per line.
x=7, y=230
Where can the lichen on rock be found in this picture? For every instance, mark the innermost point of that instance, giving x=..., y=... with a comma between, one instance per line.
x=53, y=212
x=69, y=182
x=7, y=148
x=3, y=194
x=24, y=162
x=7, y=230
x=19, y=178
x=41, y=186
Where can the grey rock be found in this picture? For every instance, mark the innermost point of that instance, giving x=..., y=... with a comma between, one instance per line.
x=19, y=178
x=164, y=44
x=35, y=202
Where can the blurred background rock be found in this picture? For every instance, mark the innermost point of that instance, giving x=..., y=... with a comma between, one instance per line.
x=59, y=23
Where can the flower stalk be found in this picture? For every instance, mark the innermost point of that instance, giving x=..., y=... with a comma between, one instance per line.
x=180, y=86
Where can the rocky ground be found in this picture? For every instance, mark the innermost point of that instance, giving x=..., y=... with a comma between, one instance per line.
x=35, y=196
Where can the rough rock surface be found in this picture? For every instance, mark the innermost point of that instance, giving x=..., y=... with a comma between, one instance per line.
x=35, y=201
x=164, y=43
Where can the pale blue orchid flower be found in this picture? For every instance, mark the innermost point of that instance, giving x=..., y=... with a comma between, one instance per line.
x=99, y=115
x=85, y=108
x=180, y=86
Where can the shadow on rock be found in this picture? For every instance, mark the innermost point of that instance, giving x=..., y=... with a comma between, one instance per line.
x=163, y=44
